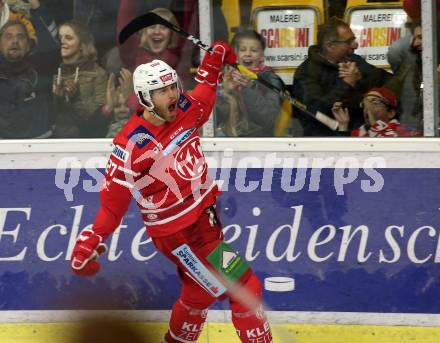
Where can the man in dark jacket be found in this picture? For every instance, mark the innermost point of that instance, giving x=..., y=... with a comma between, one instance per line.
x=23, y=102
x=405, y=59
x=333, y=73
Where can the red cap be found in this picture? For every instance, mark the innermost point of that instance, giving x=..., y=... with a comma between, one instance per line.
x=385, y=93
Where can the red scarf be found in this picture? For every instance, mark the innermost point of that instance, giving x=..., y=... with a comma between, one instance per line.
x=382, y=129
x=260, y=68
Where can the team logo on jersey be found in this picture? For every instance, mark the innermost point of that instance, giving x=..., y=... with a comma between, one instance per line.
x=189, y=161
x=148, y=202
x=120, y=154
x=141, y=136
x=183, y=103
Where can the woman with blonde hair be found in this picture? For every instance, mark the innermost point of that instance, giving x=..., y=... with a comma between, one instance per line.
x=79, y=87
x=153, y=42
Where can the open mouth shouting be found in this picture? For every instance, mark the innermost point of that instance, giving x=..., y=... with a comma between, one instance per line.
x=172, y=107
x=248, y=62
x=158, y=43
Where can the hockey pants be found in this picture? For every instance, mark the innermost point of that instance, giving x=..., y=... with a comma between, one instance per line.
x=190, y=310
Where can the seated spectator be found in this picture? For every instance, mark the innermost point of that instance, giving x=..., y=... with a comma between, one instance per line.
x=24, y=110
x=79, y=87
x=246, y=108
x=333, y=72
x=121, y=101
x=405, y=59
x=380, y=115
x=153, y=42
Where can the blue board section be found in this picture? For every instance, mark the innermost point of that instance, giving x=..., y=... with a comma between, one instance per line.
x=357, y=251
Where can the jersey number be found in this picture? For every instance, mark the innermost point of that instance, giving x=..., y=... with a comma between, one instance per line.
x=111, y=168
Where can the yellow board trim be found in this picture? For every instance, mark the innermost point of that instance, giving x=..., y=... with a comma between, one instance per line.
x=222, y=332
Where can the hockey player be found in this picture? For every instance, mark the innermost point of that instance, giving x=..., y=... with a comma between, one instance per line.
x=157, y=159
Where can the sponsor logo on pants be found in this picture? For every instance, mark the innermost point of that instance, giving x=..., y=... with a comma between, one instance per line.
x=257, y=335
x=190, y=331
x=196, y=268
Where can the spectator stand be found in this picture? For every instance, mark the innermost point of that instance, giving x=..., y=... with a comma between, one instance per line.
x=376, y=25
x=289, y=28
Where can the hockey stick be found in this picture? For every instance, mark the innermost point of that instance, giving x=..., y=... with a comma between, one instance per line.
x=285, y=94
x=151, y=18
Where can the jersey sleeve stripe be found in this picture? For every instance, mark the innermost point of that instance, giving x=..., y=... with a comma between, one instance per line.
x=128, y=171
x=123, y=183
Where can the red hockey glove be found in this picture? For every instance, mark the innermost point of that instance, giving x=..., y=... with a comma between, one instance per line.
x=85, y=253
x=209, y=70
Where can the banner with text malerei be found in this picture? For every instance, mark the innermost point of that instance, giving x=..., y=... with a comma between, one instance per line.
x=376, y=30
x=288, y=33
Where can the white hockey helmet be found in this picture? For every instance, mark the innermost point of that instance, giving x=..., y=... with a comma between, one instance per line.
x=150, y=76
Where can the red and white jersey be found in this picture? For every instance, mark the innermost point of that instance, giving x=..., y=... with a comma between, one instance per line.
x=162, y=167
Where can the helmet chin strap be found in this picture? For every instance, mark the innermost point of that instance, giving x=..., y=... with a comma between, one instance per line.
x=150, y=108
x=154, y=114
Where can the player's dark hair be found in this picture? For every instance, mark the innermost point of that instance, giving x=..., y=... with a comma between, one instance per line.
x=247, y=34
x=328, y=31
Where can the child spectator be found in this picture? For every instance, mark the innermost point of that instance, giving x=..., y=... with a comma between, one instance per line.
x=121, y=101
x=379, y=107
x=79, y=87
x=246, y=108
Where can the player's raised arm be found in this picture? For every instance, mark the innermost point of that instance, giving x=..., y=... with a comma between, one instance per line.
x=115, y=198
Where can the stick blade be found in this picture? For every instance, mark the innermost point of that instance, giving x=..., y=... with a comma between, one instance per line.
x=137, y=24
